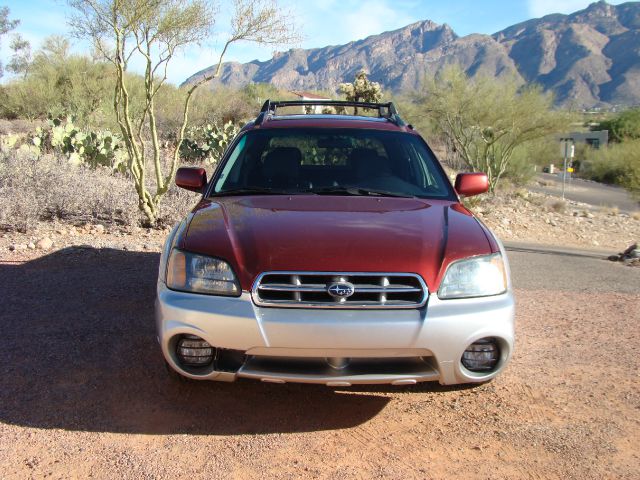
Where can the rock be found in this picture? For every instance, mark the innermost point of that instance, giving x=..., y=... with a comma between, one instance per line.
x=553, y=223
x=31, y=246
x=44, y=244
x=630, y=249
x=17, y=246
x=99, y=229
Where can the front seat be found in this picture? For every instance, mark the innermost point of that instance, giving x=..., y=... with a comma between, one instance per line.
x=367, y=164
x=281, y=167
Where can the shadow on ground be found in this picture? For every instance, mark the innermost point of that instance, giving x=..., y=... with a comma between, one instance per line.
x=78, y=352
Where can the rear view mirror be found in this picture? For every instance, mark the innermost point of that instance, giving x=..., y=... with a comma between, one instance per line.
x=191, y=178
x=470, y=184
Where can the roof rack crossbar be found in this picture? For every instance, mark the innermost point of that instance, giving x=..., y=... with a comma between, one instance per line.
x=385, y=110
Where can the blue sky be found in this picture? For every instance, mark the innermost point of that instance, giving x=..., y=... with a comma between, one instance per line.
x=328, y=22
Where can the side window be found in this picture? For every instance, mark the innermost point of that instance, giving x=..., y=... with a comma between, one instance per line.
x=232, y=169
x=426, y=177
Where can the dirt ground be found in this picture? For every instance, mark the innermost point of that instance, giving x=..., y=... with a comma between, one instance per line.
x=84, y=394
x=538, y=218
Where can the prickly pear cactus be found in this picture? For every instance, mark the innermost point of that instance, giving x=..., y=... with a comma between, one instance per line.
x=208, y=143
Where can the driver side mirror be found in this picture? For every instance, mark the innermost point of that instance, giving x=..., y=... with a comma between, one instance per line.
x=191, y=178
x=470, y=184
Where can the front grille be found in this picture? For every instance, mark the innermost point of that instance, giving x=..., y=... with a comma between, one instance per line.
x=311, y=290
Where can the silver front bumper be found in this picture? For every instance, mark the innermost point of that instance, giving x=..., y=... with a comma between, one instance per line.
x=384, y=346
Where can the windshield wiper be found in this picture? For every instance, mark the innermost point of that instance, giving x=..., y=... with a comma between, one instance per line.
x=357, y=191
x=251, y=191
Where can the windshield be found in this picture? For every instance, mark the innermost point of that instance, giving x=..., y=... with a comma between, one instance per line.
x=331, y=162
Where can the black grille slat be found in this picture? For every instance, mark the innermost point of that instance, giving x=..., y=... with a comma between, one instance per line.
x=310, y=290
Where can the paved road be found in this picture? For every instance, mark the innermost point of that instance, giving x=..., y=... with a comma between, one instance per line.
x=593, y=193
x=535, y=267
x=83, y=392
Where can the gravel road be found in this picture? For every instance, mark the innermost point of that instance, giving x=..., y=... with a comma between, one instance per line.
x=592, y=193
x=83, y=392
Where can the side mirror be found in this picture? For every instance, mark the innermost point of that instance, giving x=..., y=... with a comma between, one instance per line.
x=470, y=184
x=191, y=178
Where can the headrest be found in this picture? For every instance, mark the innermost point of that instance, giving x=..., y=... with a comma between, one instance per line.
x=281, y=166
x=367, y=163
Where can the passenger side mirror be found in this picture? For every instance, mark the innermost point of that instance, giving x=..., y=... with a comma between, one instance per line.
x=470, y=184
x=191, y=178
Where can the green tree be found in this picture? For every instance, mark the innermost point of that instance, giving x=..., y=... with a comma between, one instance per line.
x=484, y=120
x=57, y=84
x=361, y=90
x=618, y=164
x=21, y=56
x=6, y=26
x=625, y=126
x=153, y=31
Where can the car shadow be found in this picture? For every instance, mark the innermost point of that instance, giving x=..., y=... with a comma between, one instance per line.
x=78, y=352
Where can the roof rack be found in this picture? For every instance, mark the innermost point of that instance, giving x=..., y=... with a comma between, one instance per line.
x=385, y=110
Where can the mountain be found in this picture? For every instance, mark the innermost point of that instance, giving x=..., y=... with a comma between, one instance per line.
x=588, y=58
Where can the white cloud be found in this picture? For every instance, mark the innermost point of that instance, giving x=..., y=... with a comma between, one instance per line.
x=372, y=18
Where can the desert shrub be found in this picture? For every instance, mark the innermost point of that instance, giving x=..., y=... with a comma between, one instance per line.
x=529, y=158
x=37, y=188
x=175, y=205
x=521, y=169
x=43, y=187
x=57, y=84
x=624, y=126
x=558, y=206
x=18, y=126
x=617, y=164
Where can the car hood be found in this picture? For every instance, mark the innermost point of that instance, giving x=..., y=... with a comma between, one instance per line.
x=335, y=234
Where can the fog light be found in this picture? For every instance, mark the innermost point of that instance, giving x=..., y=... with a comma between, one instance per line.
x=482, y=355
x=194, y=351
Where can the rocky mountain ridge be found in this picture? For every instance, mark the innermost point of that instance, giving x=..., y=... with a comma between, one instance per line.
x=588, y=58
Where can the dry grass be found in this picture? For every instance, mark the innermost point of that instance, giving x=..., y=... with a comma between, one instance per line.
x=20, y=127
x=612, y=211
x=47, y=187
x=636, y=215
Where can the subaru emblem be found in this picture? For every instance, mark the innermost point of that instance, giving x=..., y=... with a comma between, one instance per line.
x=341, y=289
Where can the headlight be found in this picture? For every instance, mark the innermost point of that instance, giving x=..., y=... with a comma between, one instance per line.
x=191, y=272
x=474, y=277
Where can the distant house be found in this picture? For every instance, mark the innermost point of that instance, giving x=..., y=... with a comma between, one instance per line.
x=595, y=139
x=311, y=96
